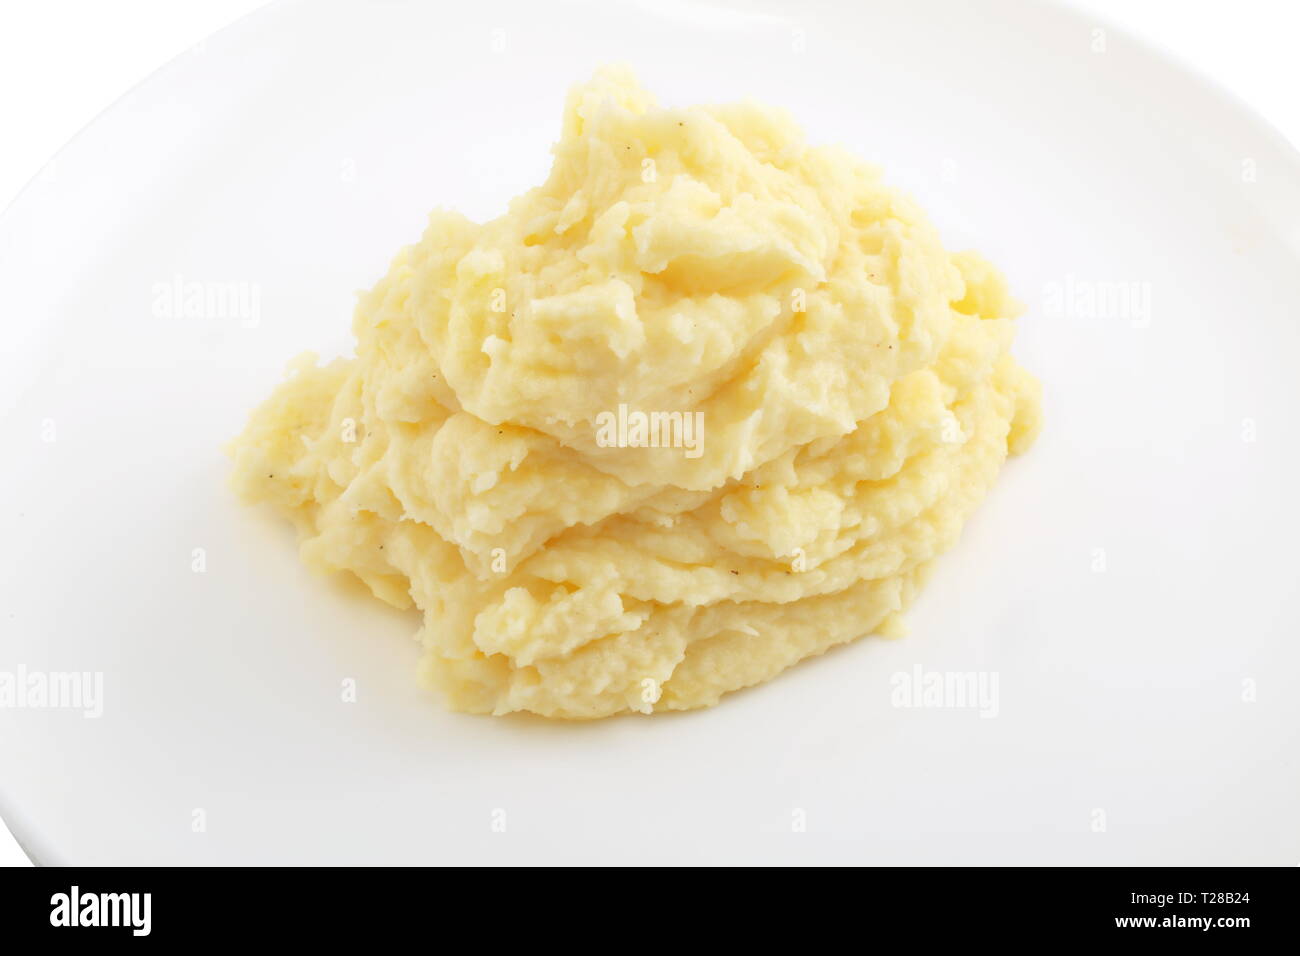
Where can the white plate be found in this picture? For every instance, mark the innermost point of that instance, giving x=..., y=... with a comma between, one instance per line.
x=1131, y=581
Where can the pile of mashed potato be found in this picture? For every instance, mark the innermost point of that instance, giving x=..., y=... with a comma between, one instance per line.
x=850, y=377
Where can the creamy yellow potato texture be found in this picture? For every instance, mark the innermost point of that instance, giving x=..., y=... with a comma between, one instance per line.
x=705, y=403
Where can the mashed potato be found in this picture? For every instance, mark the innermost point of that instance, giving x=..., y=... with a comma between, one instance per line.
x=707, y=402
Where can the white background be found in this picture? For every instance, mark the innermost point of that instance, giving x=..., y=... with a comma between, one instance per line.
x=64, y=61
